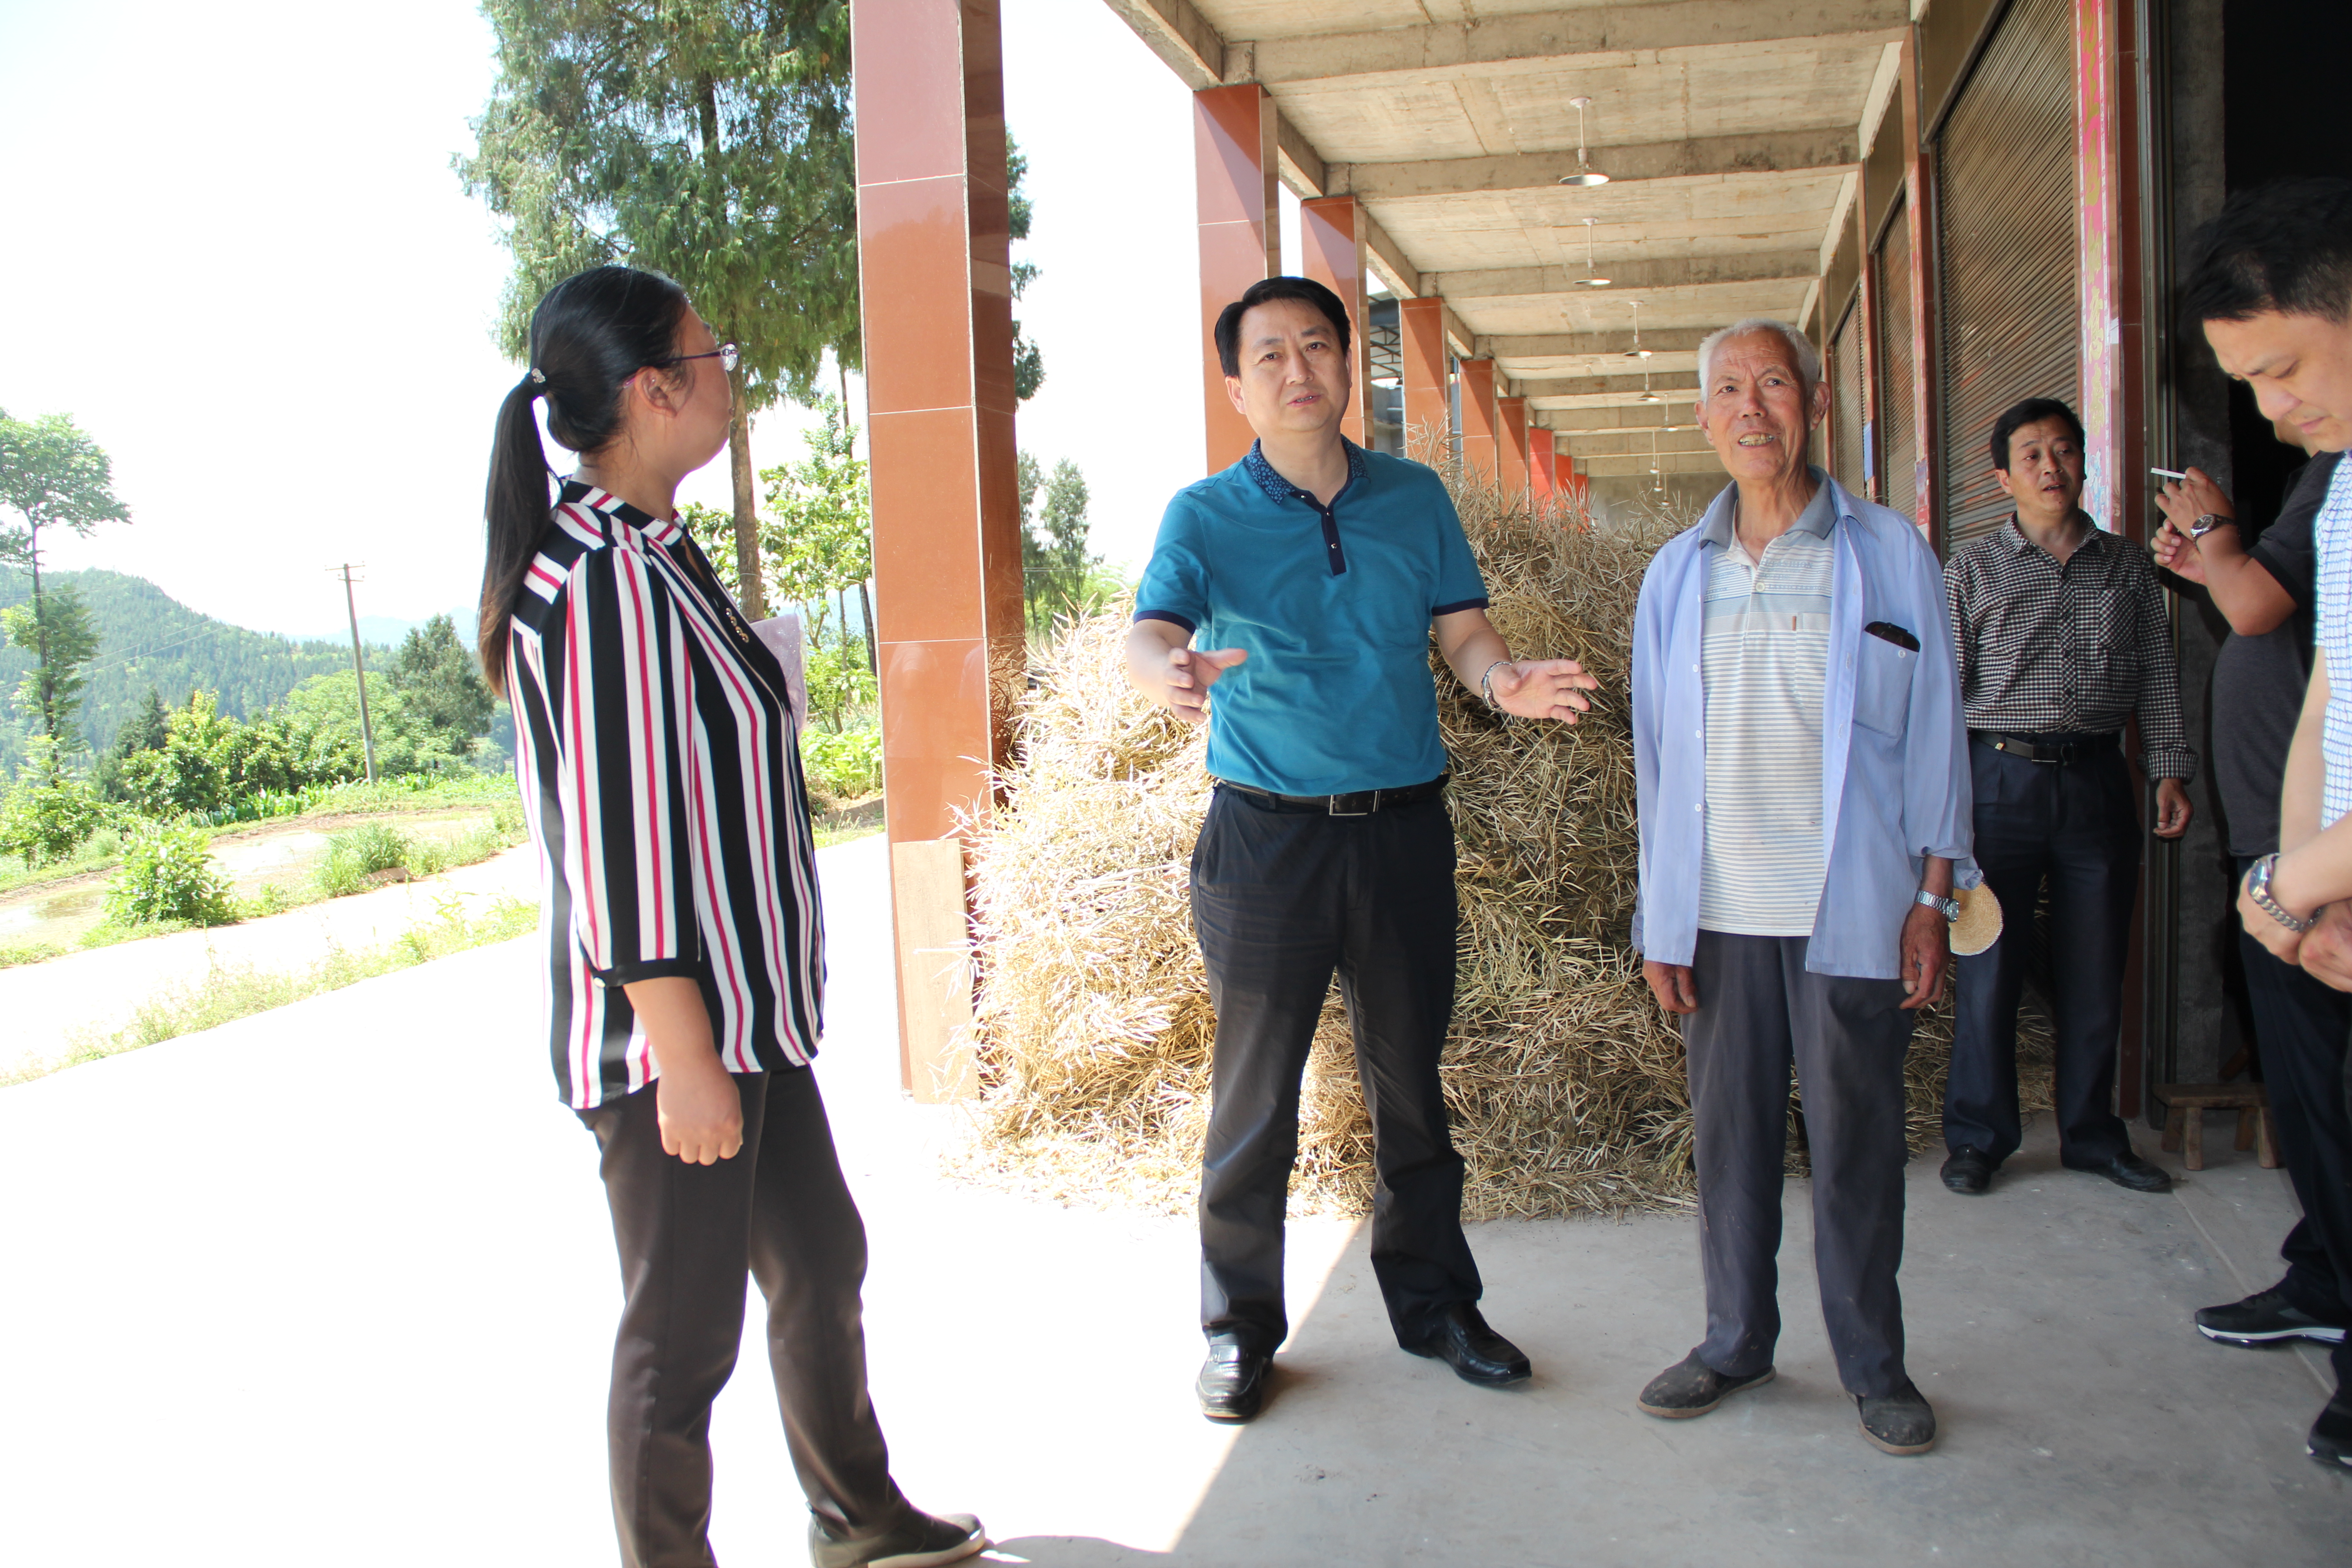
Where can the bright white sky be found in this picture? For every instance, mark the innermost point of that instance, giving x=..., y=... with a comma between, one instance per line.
x=240, y=262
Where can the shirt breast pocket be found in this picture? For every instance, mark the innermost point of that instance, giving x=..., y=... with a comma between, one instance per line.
x=1882, y=686
x=2113, y=618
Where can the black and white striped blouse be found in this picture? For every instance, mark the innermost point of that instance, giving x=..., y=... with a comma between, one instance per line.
x=656, y=750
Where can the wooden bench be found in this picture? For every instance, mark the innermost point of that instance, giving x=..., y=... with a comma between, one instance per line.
x=2184, y=1121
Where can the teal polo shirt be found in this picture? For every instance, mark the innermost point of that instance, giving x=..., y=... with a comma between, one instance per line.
x=1333, y=605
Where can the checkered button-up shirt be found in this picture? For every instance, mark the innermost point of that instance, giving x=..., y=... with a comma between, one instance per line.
x=2071, y=649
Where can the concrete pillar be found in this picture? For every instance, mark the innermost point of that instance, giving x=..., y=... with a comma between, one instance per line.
x=1543, y=485
x=1428, y=408
x=1234, y=170
x=1511, y=446
x=1918, y=502
x=1480, y=420
x=934, y=272
x=1331, y=232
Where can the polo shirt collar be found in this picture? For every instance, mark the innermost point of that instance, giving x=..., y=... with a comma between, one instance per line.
x=1282, y=489
x=662, y=531
x=1820, y=516
x=2013, y=535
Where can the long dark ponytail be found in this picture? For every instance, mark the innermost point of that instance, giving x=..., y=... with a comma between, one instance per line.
x=590, y=334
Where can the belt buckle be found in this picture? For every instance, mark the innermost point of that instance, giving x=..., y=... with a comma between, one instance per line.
x=1331, y=804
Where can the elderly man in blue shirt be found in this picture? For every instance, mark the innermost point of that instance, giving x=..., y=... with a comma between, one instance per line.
x=1802, y=784
x=1312, y=573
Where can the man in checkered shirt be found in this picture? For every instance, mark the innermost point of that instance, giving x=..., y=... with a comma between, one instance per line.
x=2063, y=639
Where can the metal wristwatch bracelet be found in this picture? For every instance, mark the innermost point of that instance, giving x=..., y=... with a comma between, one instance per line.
x=1947, y=908
x=2258, y=888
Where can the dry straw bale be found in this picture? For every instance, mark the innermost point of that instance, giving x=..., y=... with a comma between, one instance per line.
x=1565, y=1081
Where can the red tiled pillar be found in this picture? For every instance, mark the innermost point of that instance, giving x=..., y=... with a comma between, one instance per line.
x=934, y=275
x=1428, y=410
x=1331, y=233
x=1511, y=446
x=1240, y=234
x=1542, y=482
x=1480, y=420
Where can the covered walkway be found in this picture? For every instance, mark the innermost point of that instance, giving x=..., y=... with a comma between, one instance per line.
x=333, y=1286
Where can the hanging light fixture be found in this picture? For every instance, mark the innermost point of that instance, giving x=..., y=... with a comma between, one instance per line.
x=1637, y=351
x=1648, y=395
x=1592, y=280
x=1586, y=174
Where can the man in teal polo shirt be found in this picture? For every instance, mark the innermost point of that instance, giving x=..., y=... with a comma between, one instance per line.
x=1312, y=573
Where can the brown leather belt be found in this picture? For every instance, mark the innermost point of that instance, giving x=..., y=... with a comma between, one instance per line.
x=1359, y=803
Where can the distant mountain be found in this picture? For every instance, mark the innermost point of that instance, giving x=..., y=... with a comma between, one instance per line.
x=146, y=639
x=388, y=631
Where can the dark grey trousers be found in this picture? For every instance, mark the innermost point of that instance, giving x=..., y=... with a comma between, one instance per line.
x=689, y=1235
x=1759, y=1011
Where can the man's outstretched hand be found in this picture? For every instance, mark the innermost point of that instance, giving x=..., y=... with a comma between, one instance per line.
x=1543, y=689
x=1191, y=673
x=1674, y=985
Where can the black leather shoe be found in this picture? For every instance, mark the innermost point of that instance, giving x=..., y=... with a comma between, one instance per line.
x=918, y=1540
x=1232, y=1385
x=1968, y=1172
x=1691, y=1388
x=1477, y=1353
x=2331, y=1435
x=1900, y=1423
x=2128, y=1170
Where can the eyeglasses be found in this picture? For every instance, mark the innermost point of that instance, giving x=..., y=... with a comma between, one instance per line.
x=727, y=354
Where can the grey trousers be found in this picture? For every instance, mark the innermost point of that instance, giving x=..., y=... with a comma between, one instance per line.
x=1759, y=1011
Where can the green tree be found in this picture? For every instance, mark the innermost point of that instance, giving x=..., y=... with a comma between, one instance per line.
x=1058, y=576
x=56, y=628
x=1028, y=363
x=435, y=672
x=708, y=138
x=146, y=730
x=51, y=476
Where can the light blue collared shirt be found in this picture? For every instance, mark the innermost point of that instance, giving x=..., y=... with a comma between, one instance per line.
x=1895, y=753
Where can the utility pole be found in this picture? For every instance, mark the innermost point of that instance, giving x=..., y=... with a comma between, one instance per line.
x=359, y=666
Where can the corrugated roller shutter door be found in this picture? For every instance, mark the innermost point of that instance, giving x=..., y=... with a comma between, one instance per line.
x=1845, y=401
x=1899, y=403
x=2008, y=283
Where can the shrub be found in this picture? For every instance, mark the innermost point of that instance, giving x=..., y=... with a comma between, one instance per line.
x=354, y=857
x=842, y=766
x=169, y=875
x=47, y=822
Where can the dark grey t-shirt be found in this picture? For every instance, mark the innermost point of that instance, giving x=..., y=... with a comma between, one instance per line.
x=2258, y=681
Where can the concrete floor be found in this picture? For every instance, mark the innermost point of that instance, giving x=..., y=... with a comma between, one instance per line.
x=333, y=1286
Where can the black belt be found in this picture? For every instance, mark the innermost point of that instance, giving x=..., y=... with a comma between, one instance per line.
x=1360, y=803
x=2046, y=749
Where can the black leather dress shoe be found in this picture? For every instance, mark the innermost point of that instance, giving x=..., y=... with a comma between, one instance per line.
x=1477, y=1353
x=1968, y=1172
x=2127, y=1170
x=1232, y=1385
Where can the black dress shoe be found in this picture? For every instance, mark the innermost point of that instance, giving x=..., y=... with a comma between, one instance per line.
x=1898, y=1423
x=1968, y=1172
x=1232, y=1385
x=1691, y=1388
x=2127, y=1170
x=1477, y=1353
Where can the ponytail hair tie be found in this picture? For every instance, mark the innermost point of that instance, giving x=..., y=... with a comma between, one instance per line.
x=538, y=377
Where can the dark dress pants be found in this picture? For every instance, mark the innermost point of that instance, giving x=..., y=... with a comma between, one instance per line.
x=689, y=1235
x=1280, y=901
x=1759, y=1012
x=2300, y=1030
x=2076, y=823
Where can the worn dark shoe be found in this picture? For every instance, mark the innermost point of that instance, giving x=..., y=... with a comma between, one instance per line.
x=2266, y=1318
x=2331, y=1435
x=2127, y=1170
x=918, y=1540
x=1691, y=1388
x=1477, y=1353
x=1232, y=1385
x=1968, y=1172
x=1899, y=1423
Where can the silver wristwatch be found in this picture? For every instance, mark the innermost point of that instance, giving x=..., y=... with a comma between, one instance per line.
x=2206, y=525
x=1947, y=908
x=2258, y=888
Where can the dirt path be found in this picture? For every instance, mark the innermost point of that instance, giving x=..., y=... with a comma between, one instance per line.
x=45, y=1007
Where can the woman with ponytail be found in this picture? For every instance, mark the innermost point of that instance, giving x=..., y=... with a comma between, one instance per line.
x=684, y=946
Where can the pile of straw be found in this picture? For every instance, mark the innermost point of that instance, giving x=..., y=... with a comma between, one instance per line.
x=1564, y=1079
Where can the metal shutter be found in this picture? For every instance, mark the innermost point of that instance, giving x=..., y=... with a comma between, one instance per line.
x=1845, y=401
x=1899, y=403
x=2008, y=283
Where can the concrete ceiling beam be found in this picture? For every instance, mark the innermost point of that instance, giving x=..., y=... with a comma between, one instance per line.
x=1606, y=467
x=1610, y=32
x=1810, y=151
x=1597, y=391
x=1635, y=417
x=1565, y=346
x=1684, y=442
x=1676, y=272
x=1180, y=36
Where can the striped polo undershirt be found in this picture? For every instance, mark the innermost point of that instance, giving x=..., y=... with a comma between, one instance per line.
x=1765, y=668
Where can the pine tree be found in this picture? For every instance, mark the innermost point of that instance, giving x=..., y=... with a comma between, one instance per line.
x=435, y=672
x=706, y=139
x=56, y=628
